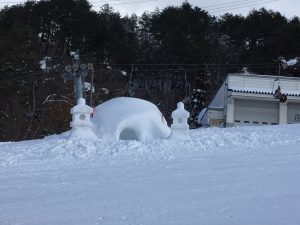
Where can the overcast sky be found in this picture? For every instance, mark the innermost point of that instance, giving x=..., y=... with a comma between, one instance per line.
x=289, y=8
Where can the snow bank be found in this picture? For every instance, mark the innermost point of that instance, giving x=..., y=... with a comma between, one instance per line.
x=129, y=119
x=212, y=140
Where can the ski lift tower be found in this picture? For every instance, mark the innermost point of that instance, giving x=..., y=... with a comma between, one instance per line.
x=77, y=73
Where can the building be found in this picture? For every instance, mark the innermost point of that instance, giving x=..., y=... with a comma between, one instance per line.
x=248, y=100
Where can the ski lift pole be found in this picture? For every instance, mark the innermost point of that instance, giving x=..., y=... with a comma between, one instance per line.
x=77, y=73
x=78, y=87
x=91, y=68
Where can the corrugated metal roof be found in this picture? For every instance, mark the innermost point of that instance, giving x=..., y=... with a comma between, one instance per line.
x=263, y=92
x=263, y=84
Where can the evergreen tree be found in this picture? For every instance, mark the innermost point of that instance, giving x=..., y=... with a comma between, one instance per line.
x=183, y=34
x=199, y=98
x=232, y=38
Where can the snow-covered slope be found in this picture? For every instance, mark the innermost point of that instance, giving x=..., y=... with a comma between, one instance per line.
x=235, y=176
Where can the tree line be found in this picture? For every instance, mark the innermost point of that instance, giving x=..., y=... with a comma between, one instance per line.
x=184, y=40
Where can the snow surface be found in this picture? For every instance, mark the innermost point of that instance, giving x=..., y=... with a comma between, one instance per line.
x=292, y=62
x=123, y=73
x=88, y=87
x=232, y=176
x=131, y=118
x=43, y=63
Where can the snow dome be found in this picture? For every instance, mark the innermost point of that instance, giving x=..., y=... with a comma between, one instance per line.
x=127, y=118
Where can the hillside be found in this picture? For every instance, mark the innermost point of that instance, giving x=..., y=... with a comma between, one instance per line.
x=179, y=53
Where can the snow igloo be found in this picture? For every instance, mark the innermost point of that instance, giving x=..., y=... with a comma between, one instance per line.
x=126, y=118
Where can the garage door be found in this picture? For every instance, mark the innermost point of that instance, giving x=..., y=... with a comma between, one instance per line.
x=293, y=113
x=251, y=112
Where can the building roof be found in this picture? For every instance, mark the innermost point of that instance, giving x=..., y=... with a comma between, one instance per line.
x=264, y=92
x=263, y=84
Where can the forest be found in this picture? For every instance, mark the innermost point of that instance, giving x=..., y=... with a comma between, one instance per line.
x=179, y=53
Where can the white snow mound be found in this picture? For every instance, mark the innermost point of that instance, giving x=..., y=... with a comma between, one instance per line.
x=127, y=118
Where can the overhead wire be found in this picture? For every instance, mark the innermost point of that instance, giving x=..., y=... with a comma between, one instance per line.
x=11, y=2
x=229, y=4
x=211, y=7
x=188, y=64
x=195, y=69
x=222, y=9
x=92, y=2
x=129, y=3
x=233, y=5
x=212, y=67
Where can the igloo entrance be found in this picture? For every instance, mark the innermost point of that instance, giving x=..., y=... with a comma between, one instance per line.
x=128, y=134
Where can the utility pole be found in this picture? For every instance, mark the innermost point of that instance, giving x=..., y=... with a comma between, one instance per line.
x=77, y=73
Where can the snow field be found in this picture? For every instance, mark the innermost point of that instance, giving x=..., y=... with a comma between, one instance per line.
x=233, y=176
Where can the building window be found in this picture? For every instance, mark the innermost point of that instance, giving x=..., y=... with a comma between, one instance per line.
x=246, y=121
x=297, y=117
